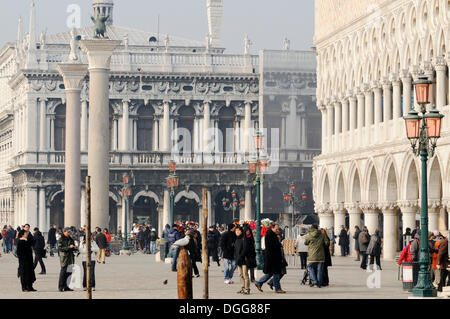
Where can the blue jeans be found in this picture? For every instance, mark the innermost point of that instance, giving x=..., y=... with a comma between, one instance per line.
x=275, y=280
x=147, y=246
x=175, y=257
x=152, y=247
x=316, y=278
x=228, y=273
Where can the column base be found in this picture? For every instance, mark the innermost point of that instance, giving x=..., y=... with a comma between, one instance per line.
x=424, y=293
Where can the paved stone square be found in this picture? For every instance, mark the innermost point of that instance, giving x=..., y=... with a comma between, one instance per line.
x=141, y=277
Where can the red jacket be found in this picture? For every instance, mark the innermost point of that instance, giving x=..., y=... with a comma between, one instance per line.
x=406, y=255
x=108, y=237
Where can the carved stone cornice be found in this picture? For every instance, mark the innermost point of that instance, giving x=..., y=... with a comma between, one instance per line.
x=338, y=207
x=368, y=207
x=388, y=206
x=434, y=203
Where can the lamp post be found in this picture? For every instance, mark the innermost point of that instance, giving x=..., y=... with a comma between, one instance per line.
x=258, y=165
x=234, y=204
x=126, y=192
x=172, y=182
x=424, y=130
x=291, y=200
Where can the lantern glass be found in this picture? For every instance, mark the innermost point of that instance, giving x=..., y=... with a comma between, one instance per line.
x=176, y=181
x=433, y=121
x=259, y=140
x=224, y=202
x=172, y=166
x=233, y=194
x=252, y=167
x=235, y=203
x=293, y=187
x=422, y=92
x=263, y=165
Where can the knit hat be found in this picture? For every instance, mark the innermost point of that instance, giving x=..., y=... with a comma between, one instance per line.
x=436, y=233
x=231, y=226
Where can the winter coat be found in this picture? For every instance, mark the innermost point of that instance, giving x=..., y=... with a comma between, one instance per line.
x=153, y=236
x=39, y=244
x=52, y=236
x=273, y=260
x=300, y=244
x=442, y=257
x=405, y=256
x=343, y=238
x=363, y=246
x=327, y=249
x=213, y=239
x=108, y=237
x=244, y=251
x=65, y=252
x=173, y=236
x=193, y=249
x=374, y=248
x=316, y=242
x=356, y=238
x=166, y=231
x=415, y=249
x=227, y=244
x=101, y=241
x=26, y=266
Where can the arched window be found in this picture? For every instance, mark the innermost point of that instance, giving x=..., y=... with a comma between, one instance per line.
x=145, y=128
x=226, y=126
x=186, y=122
x=60, y=128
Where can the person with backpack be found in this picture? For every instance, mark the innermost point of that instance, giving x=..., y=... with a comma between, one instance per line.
x=363, y=242
x=356, y=238
x=405, y=255
x=174, y=235
x=39, y=250
x=374, y=249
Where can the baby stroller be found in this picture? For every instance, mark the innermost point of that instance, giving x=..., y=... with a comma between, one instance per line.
x=306, y=277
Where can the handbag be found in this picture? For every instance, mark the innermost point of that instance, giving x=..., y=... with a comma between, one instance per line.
x=107, y=253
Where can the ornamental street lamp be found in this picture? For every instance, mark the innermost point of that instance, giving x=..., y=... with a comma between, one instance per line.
x=424, y=130
x=172, y=183
x=233, y=204
x=258, y=164
x=126, y=192
x=292, y=201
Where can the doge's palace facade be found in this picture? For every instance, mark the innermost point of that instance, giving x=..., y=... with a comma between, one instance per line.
x=369, y=54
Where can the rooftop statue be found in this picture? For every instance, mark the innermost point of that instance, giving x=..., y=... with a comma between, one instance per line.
x=100, y=26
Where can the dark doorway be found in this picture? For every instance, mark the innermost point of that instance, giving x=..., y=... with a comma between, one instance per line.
x=57, y=210
x=145, y=210
x=186, y=210
x=112, y=216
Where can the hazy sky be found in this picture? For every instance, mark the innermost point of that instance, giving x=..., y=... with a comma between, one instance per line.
x=266, y=22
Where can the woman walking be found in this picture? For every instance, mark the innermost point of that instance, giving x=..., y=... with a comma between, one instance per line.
x=26, y=266
x=83, y=251
x=327, y=263
x=245, y=257
x=374, y=249
x=301, y=248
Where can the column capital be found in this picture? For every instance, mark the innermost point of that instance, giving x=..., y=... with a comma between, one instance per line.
x=99, y=52
x=386, y=83
x=209, y=101
x=330, y=106
x=351, y=206
x=408, y=205
x=323, y=209
x=73, y=75
x=126, y=100
x=439, y=63
x=368, y=207
x=434, y=203
x=352, y=98
x=405, y=75
x=388, y=206
x=43, y=99
x=338, y=207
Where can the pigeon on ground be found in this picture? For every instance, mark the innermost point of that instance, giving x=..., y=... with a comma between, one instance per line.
x=165, y=282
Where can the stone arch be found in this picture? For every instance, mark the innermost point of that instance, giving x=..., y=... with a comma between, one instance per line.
x=389, y=183
x=355, y=193
x=429, y=49
x=372, y=186
x=441, y=47
x=146, y=194
x=411, y=181
x=188, y=194
x=340, y=191
x=326, y=191
x=423, y=17
x=435, y=180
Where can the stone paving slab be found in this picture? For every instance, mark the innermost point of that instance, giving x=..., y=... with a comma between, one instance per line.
x=141, y=277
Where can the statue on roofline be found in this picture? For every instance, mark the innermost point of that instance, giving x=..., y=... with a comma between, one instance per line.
x=100, y=26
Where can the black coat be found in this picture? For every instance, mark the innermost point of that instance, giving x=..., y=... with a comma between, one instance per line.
x=193, y=249
x=343, y=238
x=52, y=236
x=227, y=244
x=356, y=237
x=327, y=256
x=26, y=266
x=273, y=260
x=101, y=241
x=213, y=239
x=244, y=251
x=39, y=244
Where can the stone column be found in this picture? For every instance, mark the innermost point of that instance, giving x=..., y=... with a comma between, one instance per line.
x=247, y=126
x=248, y=215
x=361, y=106
x=397, y=98
x=166, y=208
x=337, y=118
x=99, y=54
x=84, y=126
x=166, y=127
x=441, y=81
x=125, y=147
x=345, y=104
x=52, y=132
x=407, y=98
x=409, y=211
x=368, y=96
x=387, y=101
x=43, y=126
x=326, y=218
x=443, y=225
x=31, y=206
x=42, y=207
x=389, y=231
x=354, y=220
x=324, y=129
x=73, y=75
x=339, y=220
x=434, y=209
x=378, y=107
x=371, y=217
x=292, y=125
x=83, y=206
x=353, y=113
x=330, y=114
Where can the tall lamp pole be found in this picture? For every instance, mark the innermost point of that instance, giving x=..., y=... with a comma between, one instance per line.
x=258, y=165
x=172, y=183
x=234, y=204
x=424, y=130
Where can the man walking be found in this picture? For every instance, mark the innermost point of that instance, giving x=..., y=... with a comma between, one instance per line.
x=153, y=239
x=227, y=245
x=66, y=246
x=273, y=259
x=102, y=243
x=52, y=239
x=213, y=239
x=343, y=241
x=363, y=242
x=316, y=242
x=39, y=250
